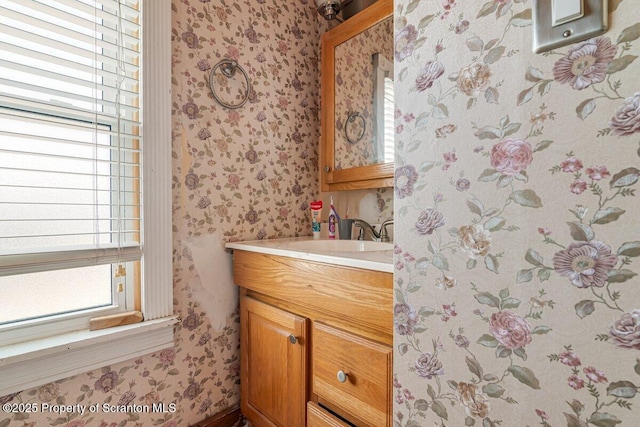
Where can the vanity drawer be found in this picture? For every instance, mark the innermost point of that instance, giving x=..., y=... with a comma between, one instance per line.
x=318, y=417
x=352, y=375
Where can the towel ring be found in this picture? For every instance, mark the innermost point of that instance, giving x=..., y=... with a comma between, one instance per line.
x=350, y=119
x=228, y=68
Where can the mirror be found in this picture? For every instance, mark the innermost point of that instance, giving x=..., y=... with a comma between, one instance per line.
x=363, y=70
x=357, y=101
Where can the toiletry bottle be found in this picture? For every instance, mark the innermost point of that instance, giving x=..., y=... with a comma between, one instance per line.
x=333, y=220
x=316, y=210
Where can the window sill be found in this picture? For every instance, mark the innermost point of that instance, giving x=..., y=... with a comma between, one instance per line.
x=38, y=362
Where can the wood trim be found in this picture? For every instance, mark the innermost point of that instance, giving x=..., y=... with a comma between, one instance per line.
x=113, y=320
x=230, y=417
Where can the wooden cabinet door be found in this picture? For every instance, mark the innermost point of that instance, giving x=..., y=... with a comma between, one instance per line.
x=273, y=388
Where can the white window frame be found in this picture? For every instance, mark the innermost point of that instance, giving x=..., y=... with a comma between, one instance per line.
x=32, y=363
x=47, y=325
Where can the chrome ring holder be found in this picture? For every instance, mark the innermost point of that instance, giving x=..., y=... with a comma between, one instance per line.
x=351, y=118
x=228, y=68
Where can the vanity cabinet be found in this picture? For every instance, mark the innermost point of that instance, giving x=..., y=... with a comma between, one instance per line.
x=316, y=342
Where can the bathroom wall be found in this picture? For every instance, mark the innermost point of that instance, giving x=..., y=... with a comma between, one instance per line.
x=373, y=206
x=517, y=232
x=238, y=175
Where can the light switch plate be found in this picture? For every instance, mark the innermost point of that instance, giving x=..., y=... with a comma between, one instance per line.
x=564, y=11
x=546, y=37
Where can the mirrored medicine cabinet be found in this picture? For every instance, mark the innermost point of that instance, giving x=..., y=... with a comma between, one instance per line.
x=356, y=149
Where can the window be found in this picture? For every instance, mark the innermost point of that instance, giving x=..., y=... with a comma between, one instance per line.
x=383, y=106
x=76, y=204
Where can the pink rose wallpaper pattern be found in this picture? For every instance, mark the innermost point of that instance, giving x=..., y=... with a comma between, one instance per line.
x=237, y=175
x=240, y=174
x=517, y=236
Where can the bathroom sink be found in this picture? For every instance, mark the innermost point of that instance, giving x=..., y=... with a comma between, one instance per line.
x=364, y=254
x=340, y=246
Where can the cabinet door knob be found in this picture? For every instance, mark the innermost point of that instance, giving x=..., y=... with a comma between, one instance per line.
x=293, y=339
x=342, y=376
x=327, y=168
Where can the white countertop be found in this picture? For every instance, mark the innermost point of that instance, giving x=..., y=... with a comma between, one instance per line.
x=369, y=260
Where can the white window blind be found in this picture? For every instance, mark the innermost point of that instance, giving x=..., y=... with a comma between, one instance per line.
x=70, y=134
x=389, y=120
x=383, y=106
x=38, y=351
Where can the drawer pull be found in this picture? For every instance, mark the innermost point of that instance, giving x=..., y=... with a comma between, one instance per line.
x=293, y=339
x=342, y=376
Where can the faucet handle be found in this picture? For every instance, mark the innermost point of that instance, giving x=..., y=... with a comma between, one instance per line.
x=384, y=236
x=364, y=224
x=358, y=224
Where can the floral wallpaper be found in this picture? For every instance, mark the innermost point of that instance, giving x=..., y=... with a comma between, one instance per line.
x=238, y=175
x=517, y=235
x=354, y=86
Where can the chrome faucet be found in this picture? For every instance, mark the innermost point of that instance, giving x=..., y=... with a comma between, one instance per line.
x=382, y=236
